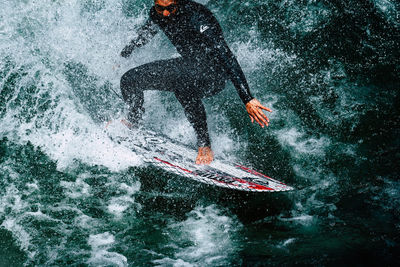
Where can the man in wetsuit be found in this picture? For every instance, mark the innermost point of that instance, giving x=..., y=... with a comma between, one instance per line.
x=206, y=63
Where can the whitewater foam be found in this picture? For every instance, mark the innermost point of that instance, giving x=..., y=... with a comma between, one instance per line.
x=211, y=235
x=100, y=256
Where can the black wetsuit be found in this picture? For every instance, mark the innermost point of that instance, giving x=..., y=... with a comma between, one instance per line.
x=206, y=63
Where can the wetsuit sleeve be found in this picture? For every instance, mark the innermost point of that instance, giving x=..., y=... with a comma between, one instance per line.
x=145, y=33
x=212, y=33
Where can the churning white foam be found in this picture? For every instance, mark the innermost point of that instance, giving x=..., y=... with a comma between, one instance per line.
x=118, y=205
x=100, y=256
x=13, y=201
x=42, y=39
x=211, y=235
x=301, y=145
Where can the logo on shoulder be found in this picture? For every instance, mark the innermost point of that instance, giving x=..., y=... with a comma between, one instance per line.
x=203, y=28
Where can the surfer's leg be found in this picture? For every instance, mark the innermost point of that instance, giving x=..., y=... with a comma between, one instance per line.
x=194, y=85
x=133, y=95
x=159, y=75
x=199, y=82
x=196, y=114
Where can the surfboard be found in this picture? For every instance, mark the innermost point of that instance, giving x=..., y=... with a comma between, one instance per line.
x=177, y=158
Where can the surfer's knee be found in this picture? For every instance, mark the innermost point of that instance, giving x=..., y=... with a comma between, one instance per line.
x=129, y=83
x=128, y=79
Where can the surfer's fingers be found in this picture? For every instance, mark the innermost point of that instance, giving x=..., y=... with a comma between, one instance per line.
x=252, y=119
x=263, y=115
x=265, y=108
x=264, y=121
x=260, y=116
x=258, y=121
x=255, y=116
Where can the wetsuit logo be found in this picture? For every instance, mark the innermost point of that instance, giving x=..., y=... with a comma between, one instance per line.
x=203, y=28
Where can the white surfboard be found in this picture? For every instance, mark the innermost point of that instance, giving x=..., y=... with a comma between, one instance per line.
x=178, y=158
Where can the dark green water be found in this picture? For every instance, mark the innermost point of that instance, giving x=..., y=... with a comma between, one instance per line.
x=70, y=197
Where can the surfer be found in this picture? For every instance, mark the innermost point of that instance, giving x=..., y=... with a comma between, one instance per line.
x=206, y=63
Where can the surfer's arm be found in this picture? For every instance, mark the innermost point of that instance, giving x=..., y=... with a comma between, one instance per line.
x=145, y=34
x=235, y=72
x=215, y=39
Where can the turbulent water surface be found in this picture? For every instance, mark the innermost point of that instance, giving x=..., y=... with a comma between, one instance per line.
x=71, y=197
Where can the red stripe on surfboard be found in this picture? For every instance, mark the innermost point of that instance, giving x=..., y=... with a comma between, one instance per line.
x=251, y=184
x=257, y=173
x=172, y=165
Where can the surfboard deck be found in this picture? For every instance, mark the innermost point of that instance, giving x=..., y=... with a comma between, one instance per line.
x=175, y=157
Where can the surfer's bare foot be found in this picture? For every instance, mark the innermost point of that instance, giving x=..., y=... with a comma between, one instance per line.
x=205, y=156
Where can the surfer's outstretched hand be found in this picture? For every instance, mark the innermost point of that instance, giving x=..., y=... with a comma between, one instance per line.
x=254, y=108
x=205, y=156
